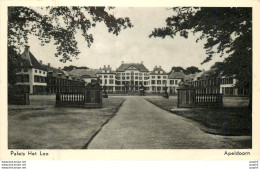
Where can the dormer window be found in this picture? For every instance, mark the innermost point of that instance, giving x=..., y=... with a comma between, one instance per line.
x=103, y=71
x=156, y=71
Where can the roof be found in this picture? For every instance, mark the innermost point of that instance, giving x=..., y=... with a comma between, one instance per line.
x=176, y=75
x=123, y=67
x=57, y=72
x=28, y=60
x=158, y=69
x=86, y=73
x=106, y=69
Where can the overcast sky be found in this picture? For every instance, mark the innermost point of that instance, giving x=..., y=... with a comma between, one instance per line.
x=131, y=45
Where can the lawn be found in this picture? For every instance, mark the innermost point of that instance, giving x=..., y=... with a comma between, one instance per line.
x=234, y=118
x=41, y=125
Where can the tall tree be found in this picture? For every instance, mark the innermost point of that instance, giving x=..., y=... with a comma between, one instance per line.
x=191, y=70
x=228, y=31
x=60, y=25
x=177, y=69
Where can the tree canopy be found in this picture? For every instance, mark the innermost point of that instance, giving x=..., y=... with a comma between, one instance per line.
x=228, y=32
x=191, y=70
x=60, y=25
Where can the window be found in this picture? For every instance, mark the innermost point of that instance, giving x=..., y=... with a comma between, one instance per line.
x=111, y=76
x=136, y=73
x=171, y=82
x=40, y=71
x=164, y=82
x=153, y=77
x=136, y=77
x=153, y=81
x=127, y=77
x=158, y=88
x=43, y=72
x=123, y=78
x=158, y=77
x=156, y=71
x=159, y=82
x=103, y=71
x=140, y=78
x=136, y=83
x=35, y=71
x=123, y=73
x=25, y=70
x=165, y=77
x=100, y=76
x=176, y=81
x=140, y=74
x=123, y=82
x=105, y=81
x=127, y=73
x=111, y=81
x=105, y=76
x=108, y=71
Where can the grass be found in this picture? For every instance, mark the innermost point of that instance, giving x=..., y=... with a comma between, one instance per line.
x=234, y=118
x=41, y=125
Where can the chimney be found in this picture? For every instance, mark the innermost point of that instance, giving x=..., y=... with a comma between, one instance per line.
x=59, y=68
x=160, y=67
x=122, y=62
x=108, y=66
x=142, y=62
x=40, y=62
x=26, y=48
x=104, y=66
x=49, y=65
x=203, y=70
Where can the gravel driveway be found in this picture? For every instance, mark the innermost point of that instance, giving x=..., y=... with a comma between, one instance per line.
x=140, y=125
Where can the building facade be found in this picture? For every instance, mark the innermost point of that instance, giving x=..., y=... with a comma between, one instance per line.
x=107, y=78
x=30, y=75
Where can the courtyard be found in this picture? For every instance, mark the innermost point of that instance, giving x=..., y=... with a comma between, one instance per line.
x=128, y=122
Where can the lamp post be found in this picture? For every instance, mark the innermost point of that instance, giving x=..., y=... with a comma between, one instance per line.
x=105, y=92
x=142, y=90
x=165, y=94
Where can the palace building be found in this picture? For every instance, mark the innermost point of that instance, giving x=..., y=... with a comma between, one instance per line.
x=34, y=77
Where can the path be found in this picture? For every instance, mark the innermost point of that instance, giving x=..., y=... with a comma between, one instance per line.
x=140, y=125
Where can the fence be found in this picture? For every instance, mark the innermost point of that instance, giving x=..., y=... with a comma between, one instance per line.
x=71, y=99
x=208, y=99
x=19, y=99
x=91, y=97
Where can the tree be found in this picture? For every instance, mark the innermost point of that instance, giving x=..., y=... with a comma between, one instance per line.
x=191, y=70
x=71, y=67
x=228, y=31
x=177, y=69
x=60, y=25
x=57, y=24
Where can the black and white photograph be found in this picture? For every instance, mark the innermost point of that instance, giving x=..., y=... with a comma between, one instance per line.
x=104, y=77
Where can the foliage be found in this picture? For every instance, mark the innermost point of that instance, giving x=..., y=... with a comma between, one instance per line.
x=188, y=70
x=71, y=67
x=228, y=32
x=177, y=69
x=60, y=25
x=191, y=70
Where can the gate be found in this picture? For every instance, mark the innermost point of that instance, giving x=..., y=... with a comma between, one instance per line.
x=91, y=97
x=187, y=98
x=209, y=100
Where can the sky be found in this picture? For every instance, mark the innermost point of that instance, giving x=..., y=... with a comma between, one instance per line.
x=132, y=45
